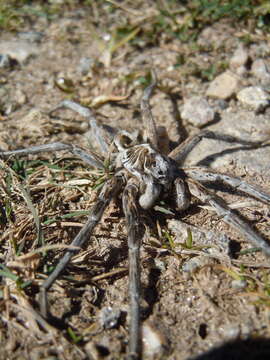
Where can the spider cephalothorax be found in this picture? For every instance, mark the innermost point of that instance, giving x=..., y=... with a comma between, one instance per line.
x=153, y=171
x=143, y=175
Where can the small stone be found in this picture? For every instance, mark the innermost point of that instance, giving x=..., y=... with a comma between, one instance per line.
x=219, y=104
x=229, y=331
x=260, y=71
x=253, y=97
x=154, y=342
x=20, y=97
x=238, y=284
x=109, y=317
x=195, y=263
x=239, y=58
x=20, y=51
x=223, y=86
x=85, y=65
x=197, y=111
x=31, y=36
x=4, y=61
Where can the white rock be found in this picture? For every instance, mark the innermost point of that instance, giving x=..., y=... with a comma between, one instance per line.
x=223, y=86
x=260, y=71
x=195, y=263
x=109, y=317
x=239, y=57
x=254, y=97
x=18, y=50
x=197, y=111
x=239, y=284
x=154, y=342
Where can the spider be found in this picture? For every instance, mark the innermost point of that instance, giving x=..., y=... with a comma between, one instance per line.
x=144, y=175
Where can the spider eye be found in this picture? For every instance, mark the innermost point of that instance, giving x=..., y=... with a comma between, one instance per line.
x=126, y=141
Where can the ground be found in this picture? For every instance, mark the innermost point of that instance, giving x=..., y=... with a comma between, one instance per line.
x=100, y=54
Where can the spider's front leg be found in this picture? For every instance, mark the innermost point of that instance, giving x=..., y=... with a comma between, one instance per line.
x=147, y=116
x=130, y=196
x=227, y=215
x=103, y=138
x=180, y=153
x=90, y=159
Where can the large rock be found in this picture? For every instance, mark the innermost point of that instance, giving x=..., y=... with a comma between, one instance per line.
x=254, y=98
x=223, y=86
x=197, y=111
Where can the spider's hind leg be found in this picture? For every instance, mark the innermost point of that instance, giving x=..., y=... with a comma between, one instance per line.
x=229, y=216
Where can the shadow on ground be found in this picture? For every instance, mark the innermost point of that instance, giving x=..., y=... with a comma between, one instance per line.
x=251, y=349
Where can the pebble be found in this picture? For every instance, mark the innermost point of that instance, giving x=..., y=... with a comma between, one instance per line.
x=85, y=65
x=4, y=61
x=254, y=98
x=154, y=342
x=20, y=97
x=229, y=331
x=238, y=284
x=109, y=317
x=18, y=50
x=223, y=86
x=197, y=111
x=239, y=58
x=260, y=71
x=197, y=262
x=31, y=36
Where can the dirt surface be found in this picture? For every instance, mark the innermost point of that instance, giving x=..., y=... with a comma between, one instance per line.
x=221, y=310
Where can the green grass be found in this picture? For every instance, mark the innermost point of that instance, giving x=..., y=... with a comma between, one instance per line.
x=183, y=20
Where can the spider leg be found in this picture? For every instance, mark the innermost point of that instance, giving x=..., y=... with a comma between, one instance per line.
x=208, y=175
x=92, y=159
x=182, y=194
x=180, y=153
x=88, y=114
x=228, y=215
x=109, y=190
x=134, y=242
x=147, y=115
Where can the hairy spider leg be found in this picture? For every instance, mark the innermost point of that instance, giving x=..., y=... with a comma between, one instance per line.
x=180, y=153
x=227, y=215
x=207, y=175
x=182, y=194
x=131, y=212
x=109, y=190
x=90, y=159
x=146, y=112
x=103, y=140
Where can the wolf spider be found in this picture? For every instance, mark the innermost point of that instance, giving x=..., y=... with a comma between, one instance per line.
x=144, y=175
